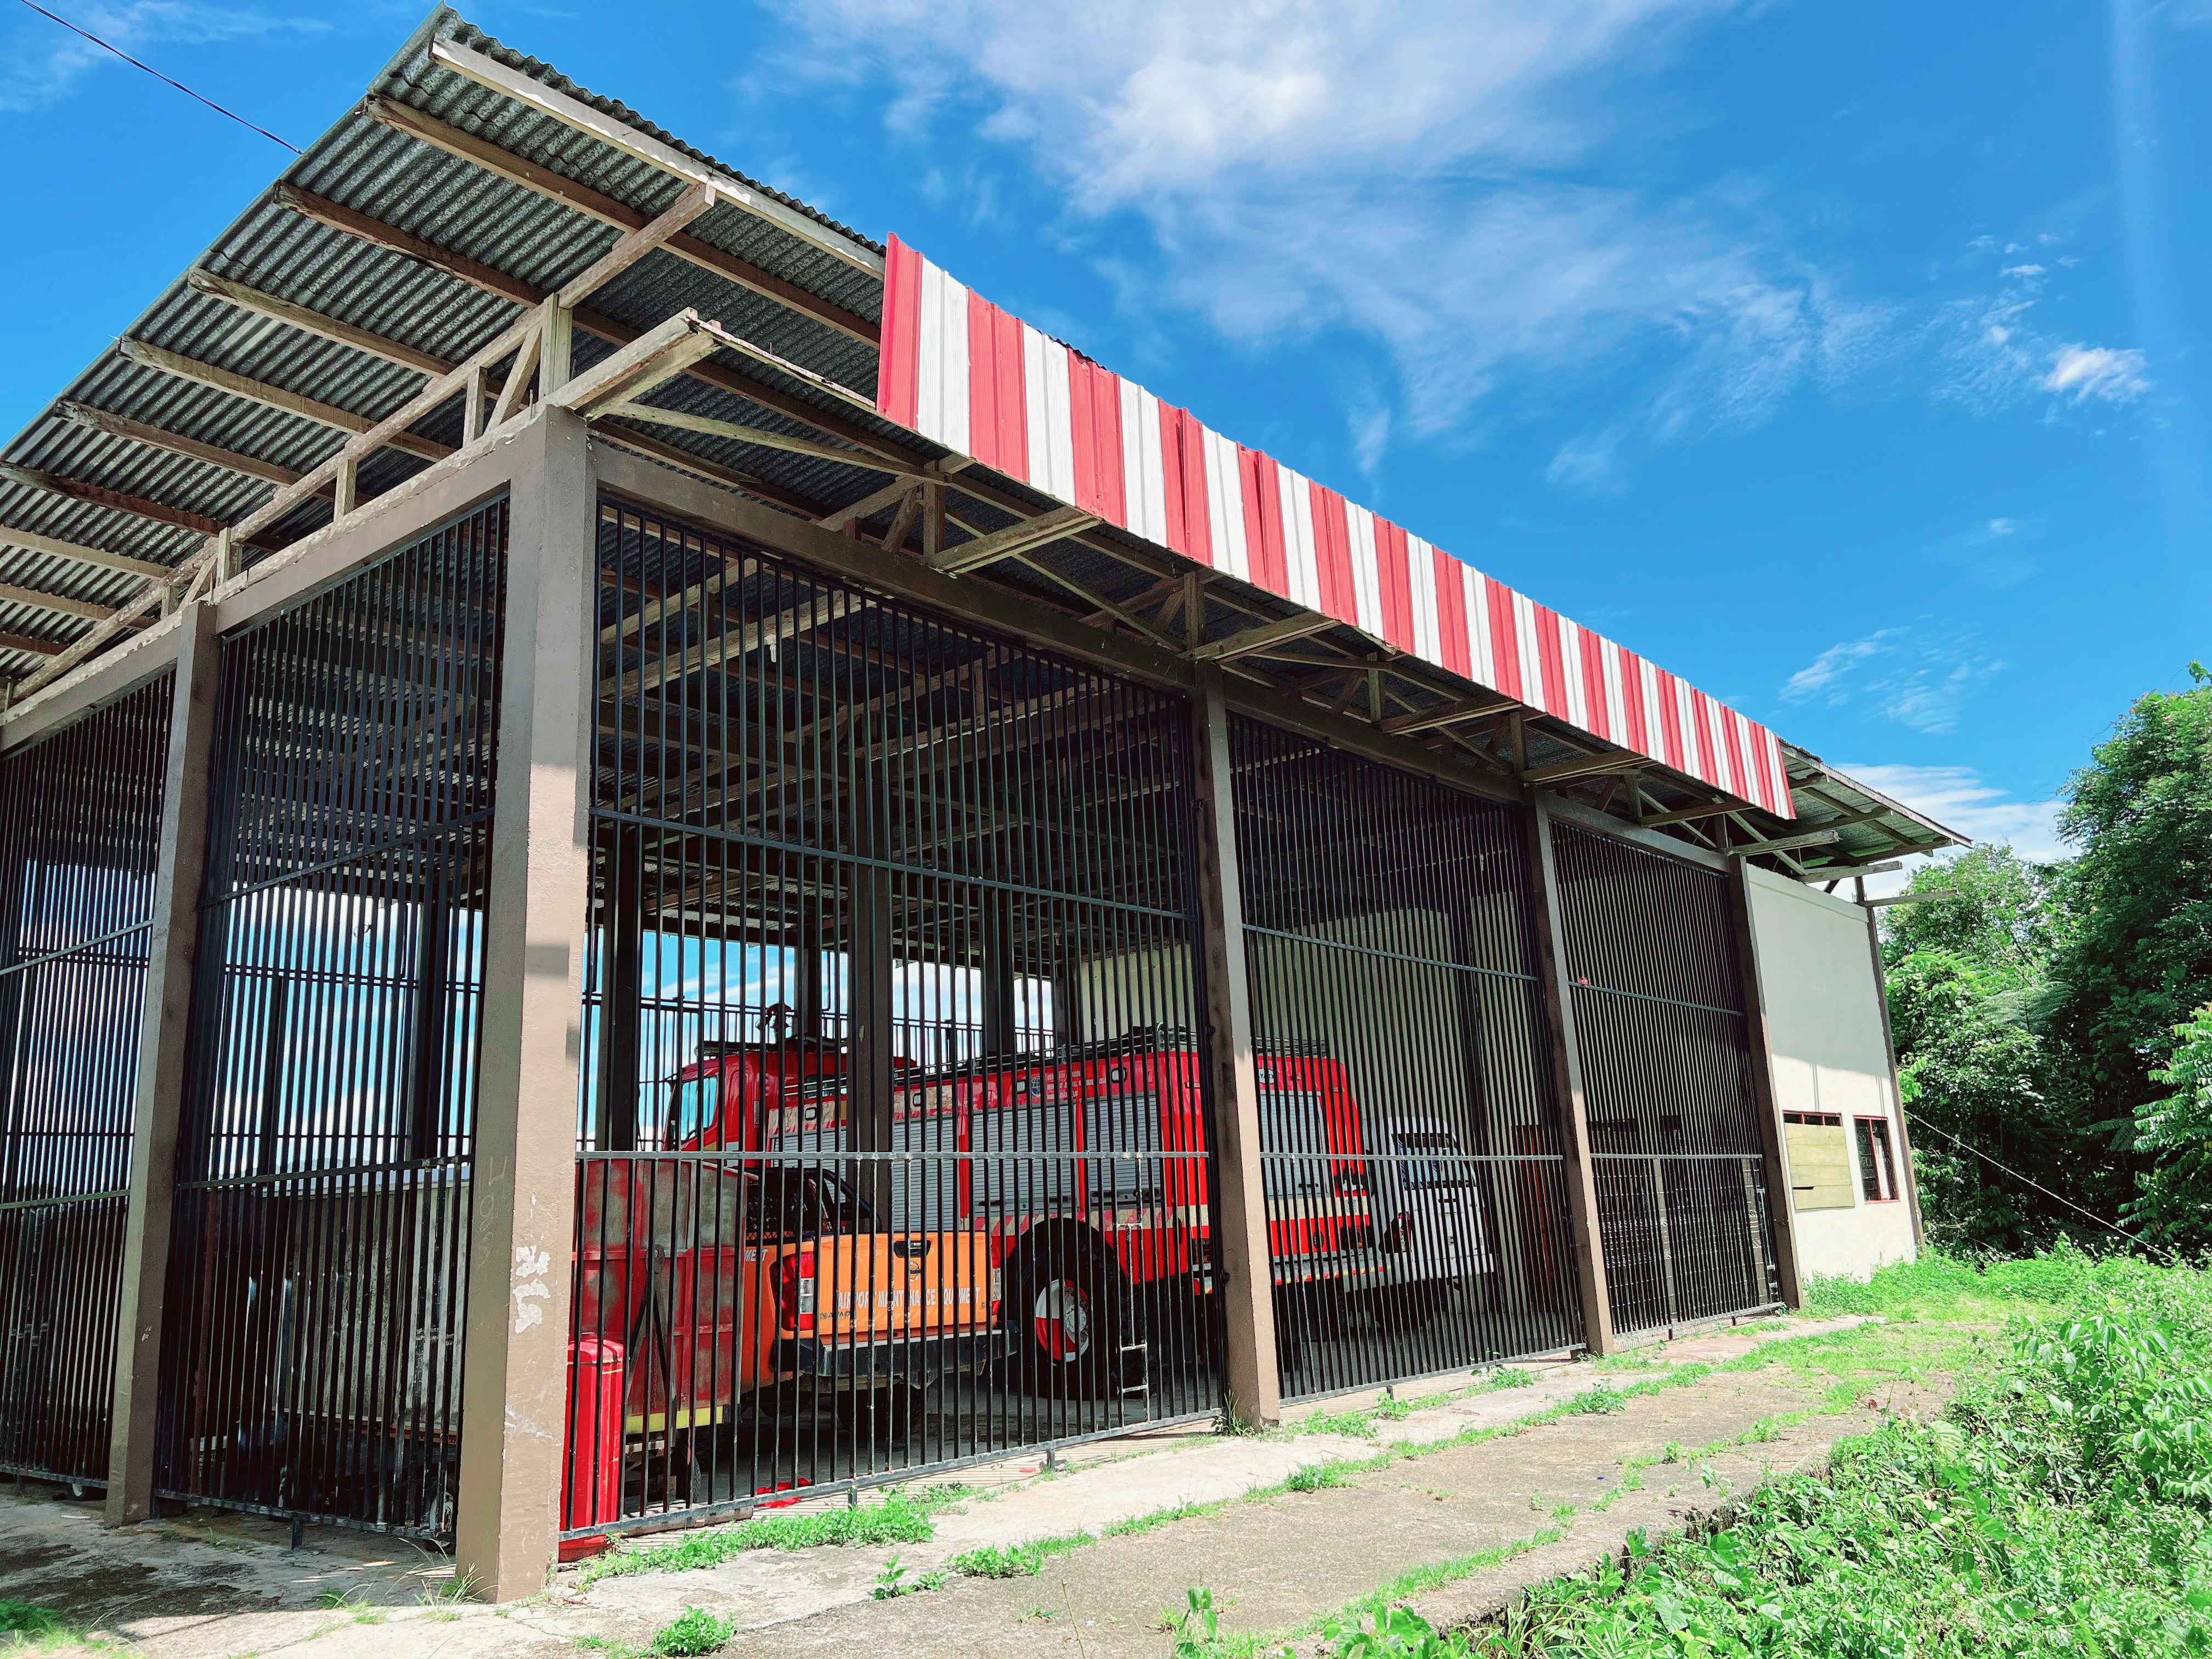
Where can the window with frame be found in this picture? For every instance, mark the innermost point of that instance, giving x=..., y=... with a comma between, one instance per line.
x=1820, y=1160
x=1877, y=1167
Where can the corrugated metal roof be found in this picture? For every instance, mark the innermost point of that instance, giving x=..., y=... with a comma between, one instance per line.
x=367, y=167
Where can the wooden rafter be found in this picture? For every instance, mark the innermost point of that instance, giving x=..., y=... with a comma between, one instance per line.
x=78, y=553
x=1260, y=638
x=246, y=297
x=1452, y=714
x=271, y=396
x=154, y=437
x=1020, y=536
x=578, y=116
x=37, y=598
x=558, y=187
x=116, y=501
x=1583, y=766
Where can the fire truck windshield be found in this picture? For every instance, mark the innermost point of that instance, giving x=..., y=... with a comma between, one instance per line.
x=691, y=1108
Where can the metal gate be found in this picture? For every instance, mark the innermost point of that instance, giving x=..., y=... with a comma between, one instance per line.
x=318, y=1276
x=895, y=1140
x=80, y=842
x=1417, y=1204
x=1680, y=1163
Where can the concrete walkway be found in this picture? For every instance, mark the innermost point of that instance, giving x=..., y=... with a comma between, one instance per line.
x=1545, y=1498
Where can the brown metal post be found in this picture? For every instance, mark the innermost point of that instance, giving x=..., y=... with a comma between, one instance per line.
x=513, y=1415
x=1253, y=1385
x=1889, y=1046
x=1567, y=1083
x=1779, y=1209
x=172, y=954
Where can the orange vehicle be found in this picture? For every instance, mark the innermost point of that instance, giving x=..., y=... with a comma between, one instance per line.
x=726, y=1276
x=1051, y=1212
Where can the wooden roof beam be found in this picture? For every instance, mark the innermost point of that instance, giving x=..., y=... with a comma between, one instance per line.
x=1017, y=538
x=307, y=321
x=295, y=404
x=1473, y=708
x=579, y=117
x=77, y=552
x=558, y=187
x=116, y=501
x=29, y=645
x=1584, y=766
x=37, y=598
x=154, y=437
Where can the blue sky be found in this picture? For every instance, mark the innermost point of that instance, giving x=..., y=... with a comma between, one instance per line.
x=1849, y=361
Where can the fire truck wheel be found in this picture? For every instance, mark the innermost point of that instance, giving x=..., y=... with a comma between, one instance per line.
x=1071, y=1312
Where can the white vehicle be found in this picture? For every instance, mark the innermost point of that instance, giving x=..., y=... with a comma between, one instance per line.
x=1428, y=1224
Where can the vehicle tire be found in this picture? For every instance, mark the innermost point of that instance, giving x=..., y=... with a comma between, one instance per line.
x=1072, y=1314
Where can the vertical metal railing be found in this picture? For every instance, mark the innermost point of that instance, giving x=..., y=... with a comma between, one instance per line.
x=318, y=1273
x=1415, y=1188
x=80, y=847
x=1683, y=1207
x=893, y=1149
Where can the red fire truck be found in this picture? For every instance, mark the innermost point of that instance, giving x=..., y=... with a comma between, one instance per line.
x=1051, y=1210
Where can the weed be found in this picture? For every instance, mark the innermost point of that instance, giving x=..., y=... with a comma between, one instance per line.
x=1312, y=1477
x=898, y=1519
x=1017, y=1560
x=1671, y=1452
x=894, y=1581
x=695, y=1631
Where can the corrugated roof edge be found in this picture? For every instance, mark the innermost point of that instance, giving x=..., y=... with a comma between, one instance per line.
x=1945, y=835
x=443, y=23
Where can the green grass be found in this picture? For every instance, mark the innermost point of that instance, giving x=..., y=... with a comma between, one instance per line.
x=695, y=1631
x=2060, y=1509
x=896, y=1519
x=26, y=1628
x=1017, y=1560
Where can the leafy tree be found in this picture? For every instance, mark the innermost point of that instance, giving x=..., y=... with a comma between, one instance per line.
x=2175, y=1207
x=2039, y=1009
x=1970, y=1072
x=2134, y=953
x=1996, y=911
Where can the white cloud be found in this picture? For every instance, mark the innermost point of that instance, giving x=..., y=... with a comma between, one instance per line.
x=1826, y=671
x=40, y=63
x=1917, y=679
x=2100, y=371
x=1395, y=170
x=1588, y=463
x=1368, y=418
x=1991, y=355
x=1960, y=799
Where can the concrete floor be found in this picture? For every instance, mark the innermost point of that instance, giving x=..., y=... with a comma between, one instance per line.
x=209, y=1584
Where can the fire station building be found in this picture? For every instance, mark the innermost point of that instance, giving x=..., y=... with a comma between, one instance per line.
x=650, y=857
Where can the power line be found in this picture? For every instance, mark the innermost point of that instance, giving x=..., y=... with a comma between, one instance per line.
x=107, y=46
x=2027, y=1180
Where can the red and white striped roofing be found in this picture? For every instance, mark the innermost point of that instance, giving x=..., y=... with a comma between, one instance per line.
x=958, y=370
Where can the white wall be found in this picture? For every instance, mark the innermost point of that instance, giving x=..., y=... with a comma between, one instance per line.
x=1824, y=1026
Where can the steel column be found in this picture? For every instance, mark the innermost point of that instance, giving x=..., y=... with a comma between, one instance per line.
x=1779, y=1208
x=1252, y=1384
x=537, y=911
x=1566, y=1062
x=165, y=1034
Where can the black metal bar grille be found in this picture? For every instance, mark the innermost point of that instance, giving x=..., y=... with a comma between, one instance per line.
x=80, y=848
x=1679, y=1160
x=319, y=1274
x=894, y=1147
x=1409, y=1130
